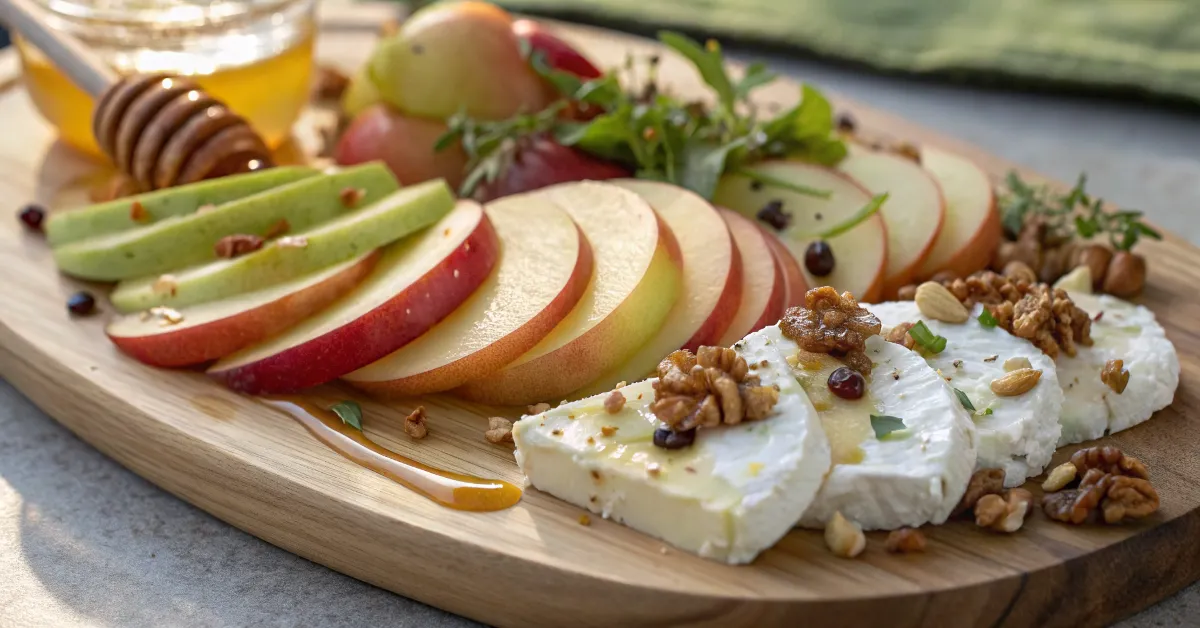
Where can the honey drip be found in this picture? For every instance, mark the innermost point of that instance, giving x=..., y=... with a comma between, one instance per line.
x=453, y=490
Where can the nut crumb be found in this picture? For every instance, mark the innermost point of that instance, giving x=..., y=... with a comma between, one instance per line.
x=499, y=430
x=905, y=541
x=585, y=520
x=1017, y=363
x=899, y=335
x=608, y=430
x=1115, y=375
x=1060, y=477
x=138, y=213
x=167, y=315
x=292, y=242
x=279, y=228
x=351, y=196
x=1005, y=513
x=237, y=245
x=414, y=424
x=165, y=284
x=844, y=537
x=328, y=84
x=654, y=469
x=615, y=402
x=991, y=358
x=537, y=408
x=556, y=432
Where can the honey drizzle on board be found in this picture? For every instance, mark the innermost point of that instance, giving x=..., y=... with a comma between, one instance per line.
x=453, y=490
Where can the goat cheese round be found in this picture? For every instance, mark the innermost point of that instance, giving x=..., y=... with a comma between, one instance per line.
x=1018, y=434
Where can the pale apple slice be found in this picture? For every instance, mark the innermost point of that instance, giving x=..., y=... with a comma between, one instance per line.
x=913, y=213
x=634, y=286
x=170, y=338
x=859, y=252
x=416, y=283
x=544, y=268
x=764, y=288
x=793, y=277
x=712, y=280
x=971, y=231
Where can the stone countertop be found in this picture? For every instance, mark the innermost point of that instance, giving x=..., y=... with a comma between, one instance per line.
x=83, y=542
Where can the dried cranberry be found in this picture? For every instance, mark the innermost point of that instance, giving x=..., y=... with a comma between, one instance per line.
x=847, y=383
x=81, y=303
x=33, y=216
x=670, y=439
x=818, y=258
x=772, y=213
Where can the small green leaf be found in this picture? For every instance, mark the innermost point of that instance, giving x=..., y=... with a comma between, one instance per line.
x=349, y=412
x=868, y=210
x=987, y=412
x=925, y=337
x=756, y=76
x=884, y=424
x=986, y=319
x=963, y=399
x=709, y=62
x=703, y=164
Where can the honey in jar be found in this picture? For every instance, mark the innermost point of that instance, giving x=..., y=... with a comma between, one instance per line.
x=256, y=56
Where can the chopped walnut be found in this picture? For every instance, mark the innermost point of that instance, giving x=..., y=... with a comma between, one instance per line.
x=905, y=541
x=167, y=316
x=899, y=335
x=236, y=245
x=1115, y=375
x=907, y=293
x=328, y=84
x=614, y=402
x=537, y=408
x=165, y=284
x=138, y=213
x=1109, y=459
x=351, y=196
x=834, y=324
x=1128, y=498
x=983, y=482
x=1045, y=316
x=279, y=228
x=499, y=430
x=414, y=424
x=708, y=389
x=1004, y=513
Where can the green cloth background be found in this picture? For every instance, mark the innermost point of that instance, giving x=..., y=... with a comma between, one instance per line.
x=1145, y=47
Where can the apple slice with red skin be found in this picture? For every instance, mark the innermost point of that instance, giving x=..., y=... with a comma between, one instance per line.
x=545, y=267
x=416, y=283
x=213, y=330
x=539, y=162
x=913, y=213
x=711, y=291
x=793, y=276
x=764, y=288
x=972, y=230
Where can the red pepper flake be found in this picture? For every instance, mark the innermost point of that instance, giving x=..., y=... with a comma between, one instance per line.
x=138, y=213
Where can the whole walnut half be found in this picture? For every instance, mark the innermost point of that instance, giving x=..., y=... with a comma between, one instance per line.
x=709, y=388
x=833, y=324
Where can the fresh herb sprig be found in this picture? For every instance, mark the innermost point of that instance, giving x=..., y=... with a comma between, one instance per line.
x=926, y=339
x=884, y=424
x=1070, y=215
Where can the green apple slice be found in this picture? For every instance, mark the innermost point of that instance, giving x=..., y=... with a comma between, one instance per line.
x=182, y=241
x=71, y=225
x=399, y=214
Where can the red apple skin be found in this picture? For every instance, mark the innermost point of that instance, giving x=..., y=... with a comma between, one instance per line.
x=376, y=333
x=203, y=343
x=542, y=162
x=404, y=143
x=797, y=286
x=717, y=323
x=559, y=54
x=777, y=304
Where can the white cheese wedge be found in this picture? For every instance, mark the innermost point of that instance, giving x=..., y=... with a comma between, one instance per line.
x=909, y=477
x=1125, y=332
x=731, y=494
x=1018, y=434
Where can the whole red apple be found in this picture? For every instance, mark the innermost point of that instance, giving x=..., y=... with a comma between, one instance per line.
x=559, y=54
x=404, y=143
x=539, y=162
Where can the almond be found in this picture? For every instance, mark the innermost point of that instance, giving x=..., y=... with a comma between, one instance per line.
x=936, y=302
x=1020, y=362
x=1017, y=382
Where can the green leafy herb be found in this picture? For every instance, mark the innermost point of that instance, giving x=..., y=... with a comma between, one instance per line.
x=964, y=399
x=986, y=319
x=884, y=424
x=349, y=412
x=925, y=337
x=1070, y=215
x=987, y=412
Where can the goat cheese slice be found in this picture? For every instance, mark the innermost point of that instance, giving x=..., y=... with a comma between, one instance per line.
x=909, y=477
x=1126, y=332
x=731, y=494
x=1018, y=434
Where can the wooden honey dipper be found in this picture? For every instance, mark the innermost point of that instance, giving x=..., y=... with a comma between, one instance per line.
x=159, y=130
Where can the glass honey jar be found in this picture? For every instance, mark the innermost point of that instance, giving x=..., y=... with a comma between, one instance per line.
x=256, y=56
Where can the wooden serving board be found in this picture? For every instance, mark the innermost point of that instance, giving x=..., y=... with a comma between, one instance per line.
x=534, y=564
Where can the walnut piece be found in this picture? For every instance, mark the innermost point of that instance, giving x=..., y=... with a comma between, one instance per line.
x=1118, y=497
x=328, y=84
x=614, y=402
x=1110, y=460
x=1077, y=505
x=165, y=284
x=844, y=537
x=1115, y=375
x=537, y=408
x=236, y=245
x=414, y=424
x=708, y=389
x=499, y=430
x=138, y=213
x=983, y=482
x=1128, y=498
x=1004, y=513
x=905, y=541
x=351, y=196
x=834, y=324
x=281, y=227
x=899, y=335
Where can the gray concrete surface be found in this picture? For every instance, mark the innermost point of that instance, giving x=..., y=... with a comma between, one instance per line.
x=84, y=542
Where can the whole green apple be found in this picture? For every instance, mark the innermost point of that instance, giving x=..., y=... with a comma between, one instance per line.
x=452, y=57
